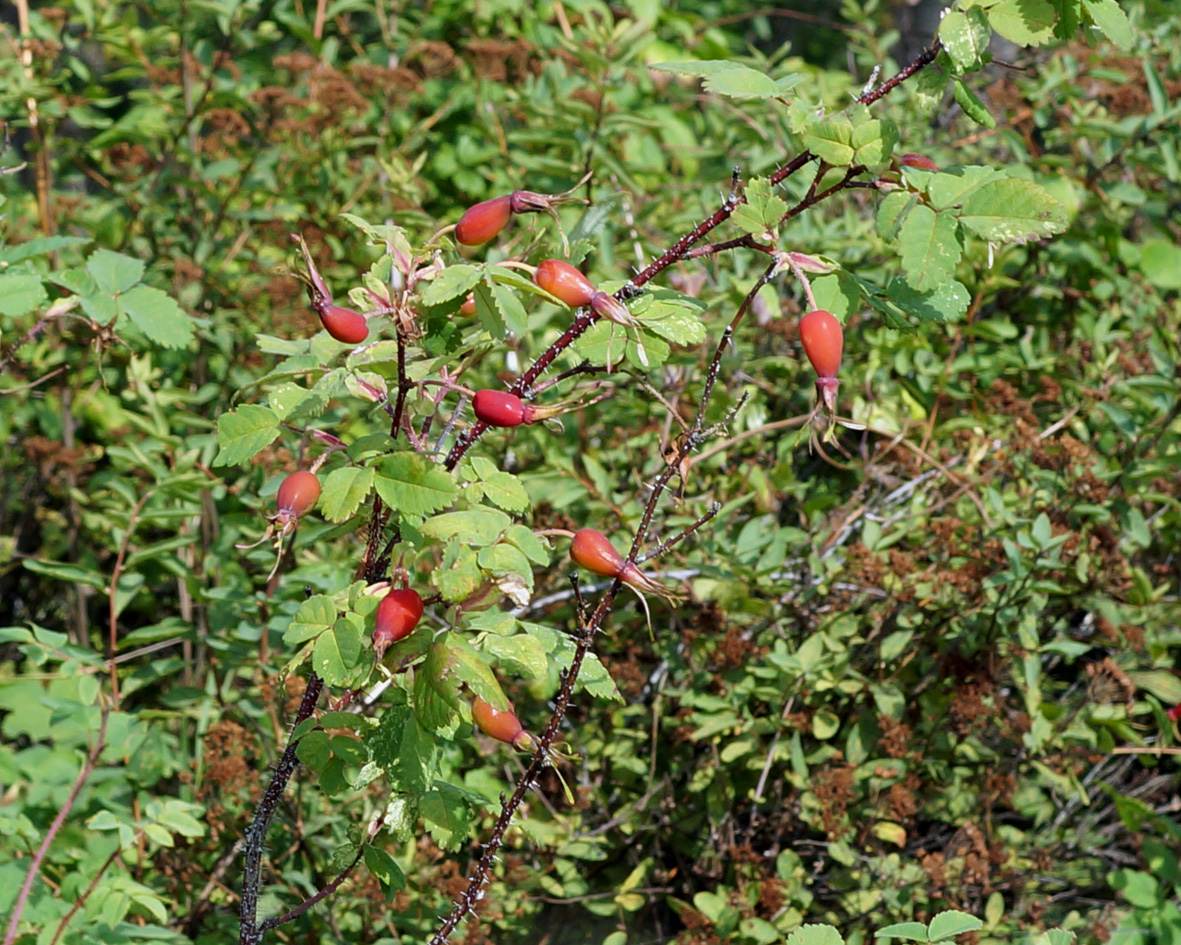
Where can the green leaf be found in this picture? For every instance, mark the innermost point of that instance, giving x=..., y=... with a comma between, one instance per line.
x=952, y=186
x=929, y=245
x=459, y=576
x=403, y=749
x=972, y=106
x=385, y=868
x=313, y=750
x=344, y=490
x=965, y=36
x=1012, y=211
x=946, y=303
x=447, y=816
x=113, y=272
x=245, y=432
x=533, y=547
x=519, y=654
x=504, y=558
x=412, y=484
x=452, y=283
x=1160, y=261
x=893, y=211
x=911, y=931
x=1024, y=22
x=477, y=527
x=41, y=246
x=315, y=615
x=510, y=310
x=731, y=78
x=874, y=141
x=20, y=294
x=831, y=141
x=763, y=209
x=71, y=573
x=1109, y=17
x=505, y=489
x=951, y=923
x=469, y=667
x=436, y=691
x=157, y=315
x=671, y=315
x=815, y=935
x=488, y=311
x=336, y=652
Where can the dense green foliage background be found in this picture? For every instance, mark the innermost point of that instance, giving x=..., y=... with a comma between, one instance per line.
x=924, y=667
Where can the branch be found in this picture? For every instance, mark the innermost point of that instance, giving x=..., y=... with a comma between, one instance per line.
x=251, y=932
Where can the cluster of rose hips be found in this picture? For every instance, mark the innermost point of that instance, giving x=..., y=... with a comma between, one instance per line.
x=401, y=609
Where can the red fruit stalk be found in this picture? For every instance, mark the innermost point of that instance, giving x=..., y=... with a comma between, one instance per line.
x=503, y=725
x=397, y=616
x=562, y=280
x=823, y=340
x=592, y=550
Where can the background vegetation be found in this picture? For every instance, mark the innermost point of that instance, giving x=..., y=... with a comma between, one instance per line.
x=926, y=666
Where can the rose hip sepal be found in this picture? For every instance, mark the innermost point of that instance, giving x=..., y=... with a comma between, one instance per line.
x=610, y=308
x=592, y=550
x=503, y=725
x=397, y=616
x=564, y=282
x=823, y=340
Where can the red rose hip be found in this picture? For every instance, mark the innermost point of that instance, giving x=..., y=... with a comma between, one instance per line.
x=344, y=324
x=503, y=725
x=562, y=280
x=397, y=616
x=297, y=493
x=823, y=340
x=920, y=161
x=499, y=408
x=483, y=221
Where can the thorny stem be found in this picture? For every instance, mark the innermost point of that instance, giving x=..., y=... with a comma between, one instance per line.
x=479, y=876
x=251, y=932
x=327, y=890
